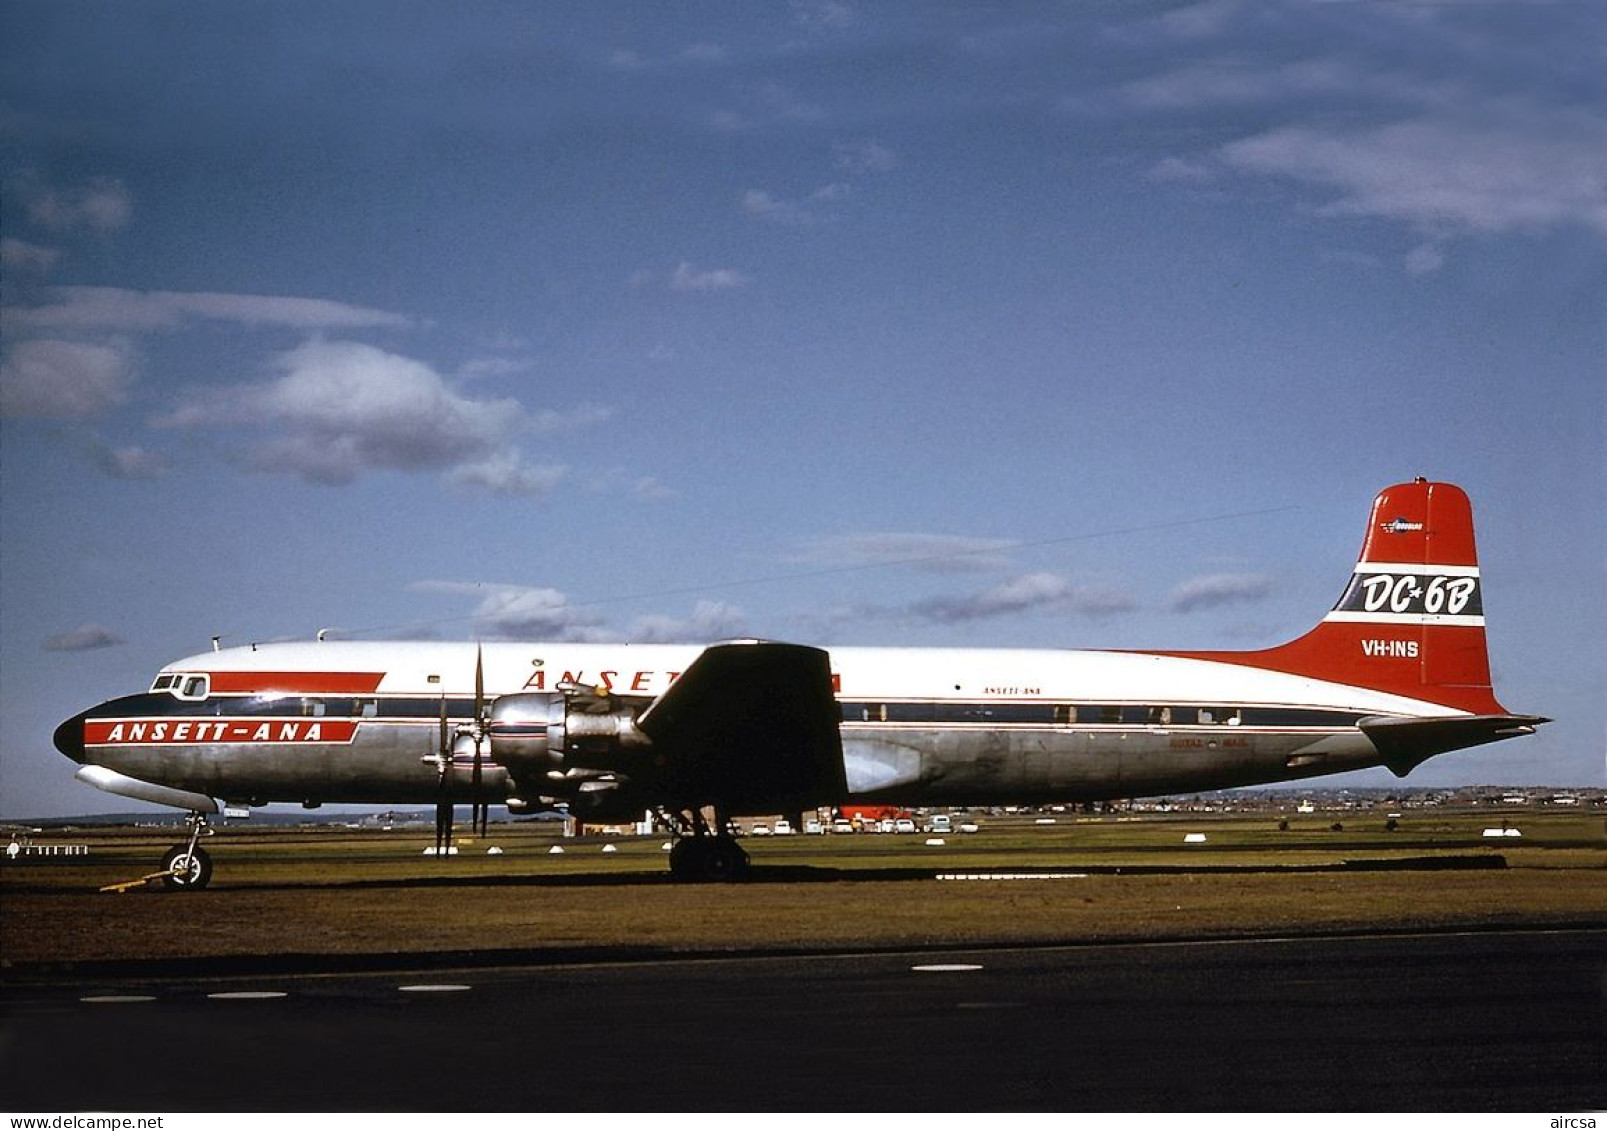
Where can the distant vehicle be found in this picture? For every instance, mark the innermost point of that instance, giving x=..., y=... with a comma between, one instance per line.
x=903, y=825
x=969, y=827
x=842, y=825
x=759, y=829
x=783, y=827
x=939, y=823
x=868, y=817
x=885, y=825
x=813, y=828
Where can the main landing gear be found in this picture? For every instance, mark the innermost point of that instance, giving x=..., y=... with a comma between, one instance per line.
x=188, y=867
x=704, y=855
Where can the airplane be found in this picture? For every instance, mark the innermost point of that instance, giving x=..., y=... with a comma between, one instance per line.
x=1396, y=673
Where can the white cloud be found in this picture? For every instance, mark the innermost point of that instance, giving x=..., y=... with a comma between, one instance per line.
x=569, y=419
x=1425, y=259
x=1252, y=82
x=1199, y=21
x=1509, y=169
x=336, y=410
x=943, y=553
x=99, y=205
x=85, y=638
x=687, y=278
x=116, y=308
x=823, y=14
x=629, y=59
x=342, y=408
x=524, y=612
x=1215, y=590
x=47, y=377
x=1035, y=592
x=619, y=481
x=710, y=620
x=865, y=155
x=703, y=53
x=506, y=473
x=131, y=462
x=21, y=256
x=758, y=202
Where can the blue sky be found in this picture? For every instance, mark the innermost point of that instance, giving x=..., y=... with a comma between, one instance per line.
x=1091, y=324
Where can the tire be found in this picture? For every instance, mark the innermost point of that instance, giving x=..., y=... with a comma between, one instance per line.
x=707, y=859
x=191, y=871
x=726, y=861
x=687, y=858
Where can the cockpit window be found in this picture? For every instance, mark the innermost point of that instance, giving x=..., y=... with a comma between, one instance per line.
x=184, y=686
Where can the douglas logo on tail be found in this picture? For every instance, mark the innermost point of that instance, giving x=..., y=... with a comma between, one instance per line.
x=1396, y=673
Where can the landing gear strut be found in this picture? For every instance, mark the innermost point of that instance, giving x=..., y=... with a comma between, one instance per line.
x=702, y=855
x=188, y=867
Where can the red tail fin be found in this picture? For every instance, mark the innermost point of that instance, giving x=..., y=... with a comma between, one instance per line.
x=1411, y=621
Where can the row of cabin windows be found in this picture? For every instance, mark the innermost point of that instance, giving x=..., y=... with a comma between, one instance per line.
x=1100, y=714
x=195, y=688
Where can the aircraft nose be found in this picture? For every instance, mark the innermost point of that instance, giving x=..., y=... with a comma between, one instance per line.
x=69, y=738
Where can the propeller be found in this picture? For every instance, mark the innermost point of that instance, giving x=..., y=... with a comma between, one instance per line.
x=475, y=729
x=443, y=804
x=480, y=814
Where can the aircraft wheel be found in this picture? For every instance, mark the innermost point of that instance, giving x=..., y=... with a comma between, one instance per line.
x=687, y=857
x=706, y=859
x=191, y=870
x=725, y=860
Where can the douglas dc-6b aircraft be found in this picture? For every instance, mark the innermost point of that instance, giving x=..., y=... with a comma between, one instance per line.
x=1396, y=673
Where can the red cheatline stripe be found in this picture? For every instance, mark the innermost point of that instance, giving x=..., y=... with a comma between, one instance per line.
x=308, y=683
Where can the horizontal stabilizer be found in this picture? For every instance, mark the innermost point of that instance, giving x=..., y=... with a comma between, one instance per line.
x=1404, y=744
x=752, y=727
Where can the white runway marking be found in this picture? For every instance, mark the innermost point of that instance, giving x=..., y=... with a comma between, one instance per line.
x=436, y=988
x=116, y=999
x=946, y=968
x=248, y=995
x=997, y=876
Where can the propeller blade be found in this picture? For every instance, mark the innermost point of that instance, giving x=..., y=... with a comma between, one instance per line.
x=443, y=807
x=443, y=825
x=479, y=816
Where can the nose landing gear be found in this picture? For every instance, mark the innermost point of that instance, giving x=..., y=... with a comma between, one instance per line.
x=188, y=867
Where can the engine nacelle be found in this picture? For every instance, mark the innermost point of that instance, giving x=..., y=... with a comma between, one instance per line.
x=543, y=731
x=527, y=730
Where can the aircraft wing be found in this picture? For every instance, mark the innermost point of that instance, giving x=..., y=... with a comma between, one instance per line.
x=750, y=726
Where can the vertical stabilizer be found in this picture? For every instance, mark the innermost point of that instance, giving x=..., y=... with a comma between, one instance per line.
x=1411, y=621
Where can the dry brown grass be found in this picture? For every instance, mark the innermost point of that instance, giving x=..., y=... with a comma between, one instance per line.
x=373, y=894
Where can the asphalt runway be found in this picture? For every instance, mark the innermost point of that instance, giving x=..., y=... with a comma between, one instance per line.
x=1501, y=1021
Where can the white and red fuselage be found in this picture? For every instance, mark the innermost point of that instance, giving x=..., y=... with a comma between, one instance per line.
x=1397, y=672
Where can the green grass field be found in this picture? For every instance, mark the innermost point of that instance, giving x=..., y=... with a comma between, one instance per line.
x=338, y=891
